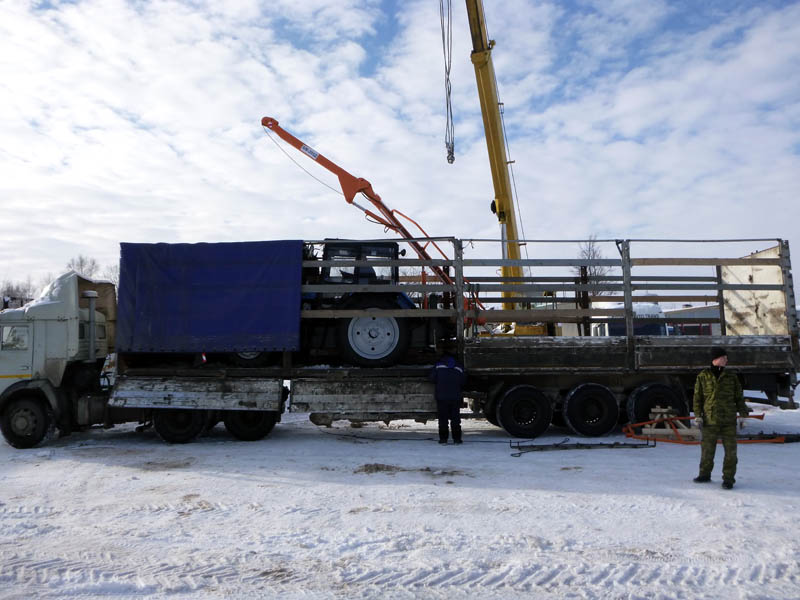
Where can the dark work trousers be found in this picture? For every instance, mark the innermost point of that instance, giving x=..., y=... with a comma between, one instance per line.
x=711, y=433
x=449, y=411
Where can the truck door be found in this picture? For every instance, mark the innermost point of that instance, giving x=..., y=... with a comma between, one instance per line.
x=16, y=346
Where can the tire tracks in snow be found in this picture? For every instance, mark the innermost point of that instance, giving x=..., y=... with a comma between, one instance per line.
x=309, y=553
x=114, y=573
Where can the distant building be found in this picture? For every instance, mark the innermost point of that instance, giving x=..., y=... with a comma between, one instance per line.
x=602, y=327
x=710, y=311
x=642, y=310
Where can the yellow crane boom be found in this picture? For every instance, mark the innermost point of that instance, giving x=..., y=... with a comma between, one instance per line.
x=503, y=204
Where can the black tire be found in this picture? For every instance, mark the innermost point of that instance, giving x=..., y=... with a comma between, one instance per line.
x=375, y=340
x=524, y=412
x=252, y=359
x=179, y=425
x=650, y=395
x=250, y=425
x=591, y=409
x=623, y=413
x=490, y=414
x=25, y=422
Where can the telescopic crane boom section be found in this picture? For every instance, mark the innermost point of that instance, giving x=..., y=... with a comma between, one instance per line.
x=352, y=185
x=503, y=205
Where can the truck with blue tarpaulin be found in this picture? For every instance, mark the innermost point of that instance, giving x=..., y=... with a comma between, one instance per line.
x=347, y=329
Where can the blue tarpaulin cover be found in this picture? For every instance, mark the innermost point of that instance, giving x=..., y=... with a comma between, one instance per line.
x=222, y=297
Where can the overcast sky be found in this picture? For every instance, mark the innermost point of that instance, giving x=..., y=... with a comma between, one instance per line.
x=140, y=121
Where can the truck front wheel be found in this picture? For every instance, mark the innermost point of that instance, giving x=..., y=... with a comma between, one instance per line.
x=250, y=425
x=25, y=422
x=178, y=425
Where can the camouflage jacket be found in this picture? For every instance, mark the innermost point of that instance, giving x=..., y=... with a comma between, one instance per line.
x=718, y=401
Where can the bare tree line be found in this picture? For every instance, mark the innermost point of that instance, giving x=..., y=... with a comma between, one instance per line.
x=85, y=265
x=588, y=251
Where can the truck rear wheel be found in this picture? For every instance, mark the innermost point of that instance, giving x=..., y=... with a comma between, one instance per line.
x=178, y=425
x=374, y=340
x=591, y=409
x=524, y=411
x=650, y=395
x=250, y=425
x=252, y=359
x=25, y=422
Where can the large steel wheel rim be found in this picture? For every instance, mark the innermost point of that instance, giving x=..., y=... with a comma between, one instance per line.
x=591, y=409
x=373, y=338
x=249, y=425
x=25, y=423
x=178, y=426
x=524, y=411
x=651, y=395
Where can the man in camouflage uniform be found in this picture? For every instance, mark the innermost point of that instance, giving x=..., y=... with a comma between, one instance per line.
x=717, y=399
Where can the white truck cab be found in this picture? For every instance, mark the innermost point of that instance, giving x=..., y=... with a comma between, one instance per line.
x=48, y=358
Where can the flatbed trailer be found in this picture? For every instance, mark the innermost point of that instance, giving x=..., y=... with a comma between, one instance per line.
x=524, y=383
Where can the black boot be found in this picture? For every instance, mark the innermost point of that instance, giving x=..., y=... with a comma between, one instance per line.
x=443, y=434
x=702, y=479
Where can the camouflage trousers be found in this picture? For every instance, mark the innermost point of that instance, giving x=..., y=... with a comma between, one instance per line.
x=711, y=433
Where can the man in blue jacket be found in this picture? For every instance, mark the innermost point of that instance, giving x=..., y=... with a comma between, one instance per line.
x=448, y=375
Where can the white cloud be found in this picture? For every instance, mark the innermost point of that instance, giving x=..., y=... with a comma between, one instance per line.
x=689, y=144
x=140, y=122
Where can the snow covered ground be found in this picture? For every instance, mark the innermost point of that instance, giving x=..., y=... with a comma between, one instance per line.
x=386, y=512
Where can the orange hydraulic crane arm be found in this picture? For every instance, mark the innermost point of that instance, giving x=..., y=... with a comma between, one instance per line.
x=351, y=186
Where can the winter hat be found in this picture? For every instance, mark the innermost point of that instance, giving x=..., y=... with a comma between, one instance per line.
x=718, y=351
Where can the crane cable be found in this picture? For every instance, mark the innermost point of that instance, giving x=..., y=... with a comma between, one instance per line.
x=447, y=49
x=302, y=168
x=514, y=184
